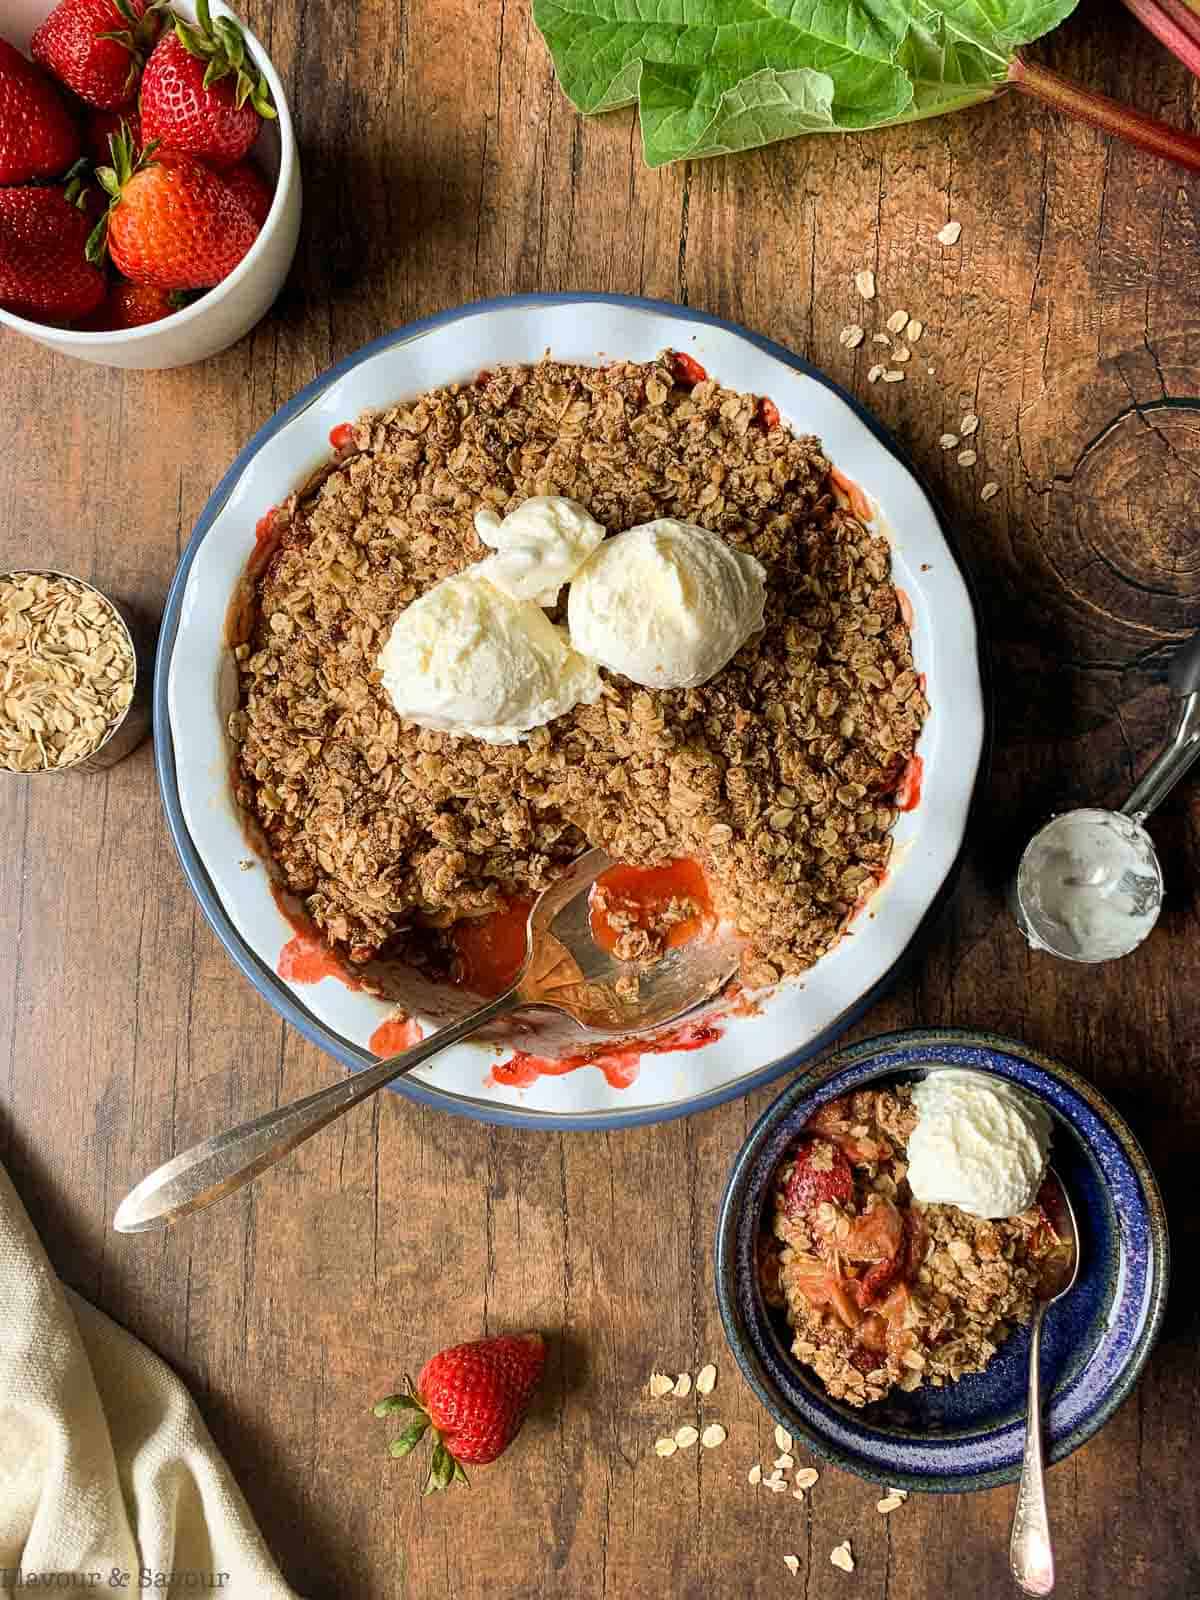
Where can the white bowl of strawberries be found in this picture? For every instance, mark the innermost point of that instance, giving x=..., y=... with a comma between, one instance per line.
x=149, y=179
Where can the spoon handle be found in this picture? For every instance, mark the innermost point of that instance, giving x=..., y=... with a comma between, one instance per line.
x=1029, y=1552
x=217, y=1166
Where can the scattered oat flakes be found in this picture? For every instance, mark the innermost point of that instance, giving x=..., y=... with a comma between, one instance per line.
x=776, y=1483
x=864, y=282
x=968, y=424
x=806, y=1477
x=754, y=1476
x=897, y=320
x=683, y=1386
x=686, y=1436
x=706, y=1379
x=797, y=1494
x=901, y=1493
x=851, y=336
x=931, y=371
x=713, y=1435
x=874, y=374
x=914, y=330
x=660, y=1384
x=948, y=441
x=893, y=376
x=901, y=353
x=792, y=1563
x=967, y=458
x=842, y=1557
x=782, y=1437
x=890, y=1502
x=950, y=234
x=784, y=1462
x=665, y=1447
x=881, y=338
x=988, y=490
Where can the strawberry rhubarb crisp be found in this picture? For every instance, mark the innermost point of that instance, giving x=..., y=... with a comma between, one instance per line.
x=779, y=777
x=880, y=1291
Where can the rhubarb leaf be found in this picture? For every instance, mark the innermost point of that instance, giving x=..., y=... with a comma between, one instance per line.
x=714, y=76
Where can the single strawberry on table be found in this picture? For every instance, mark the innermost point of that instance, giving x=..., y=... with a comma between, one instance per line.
x=43, y=272
x=171, y=221
x=202, y=93
x=97, y=47
x=475, y=1397
x=38, y=136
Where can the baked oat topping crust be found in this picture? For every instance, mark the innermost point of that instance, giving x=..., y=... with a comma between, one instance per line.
x=779, y=774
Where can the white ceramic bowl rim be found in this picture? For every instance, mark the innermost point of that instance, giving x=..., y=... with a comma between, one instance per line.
x=284, y=999
x=198, y=308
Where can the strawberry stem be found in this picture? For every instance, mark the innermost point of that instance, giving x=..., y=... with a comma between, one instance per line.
x=1173, y=23
x=1147, y=133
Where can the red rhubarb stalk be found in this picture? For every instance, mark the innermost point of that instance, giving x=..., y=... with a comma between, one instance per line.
x=1109, y=115
x=1174, y=24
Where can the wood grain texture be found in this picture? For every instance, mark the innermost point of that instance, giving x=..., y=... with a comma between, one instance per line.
x=441, y=164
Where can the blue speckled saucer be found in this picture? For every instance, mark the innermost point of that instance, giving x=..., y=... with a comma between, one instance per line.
x=968, y=1435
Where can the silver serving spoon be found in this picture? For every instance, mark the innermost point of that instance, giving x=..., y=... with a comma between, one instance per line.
x=1029, y=1552
x=563, y=968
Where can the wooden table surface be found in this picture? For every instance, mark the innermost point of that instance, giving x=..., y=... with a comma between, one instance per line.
x=441, y=164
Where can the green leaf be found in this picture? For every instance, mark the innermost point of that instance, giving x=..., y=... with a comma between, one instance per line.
x=217, y=69
x=196, y=44
x=410, y=1438
x=441, y=1470
x=395, y=1403
x=231, y=37
x=713, y=76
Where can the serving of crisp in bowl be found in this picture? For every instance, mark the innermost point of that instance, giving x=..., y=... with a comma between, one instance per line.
x=821, y=779
x=938, y=1399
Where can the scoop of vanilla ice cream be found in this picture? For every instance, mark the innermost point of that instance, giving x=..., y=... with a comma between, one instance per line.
x=539, y=546
x=666, y=604
x=466, y=658
x=980, y=1144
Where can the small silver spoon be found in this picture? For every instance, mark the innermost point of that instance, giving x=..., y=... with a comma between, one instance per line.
x=1030, y=1554
x=563, y=968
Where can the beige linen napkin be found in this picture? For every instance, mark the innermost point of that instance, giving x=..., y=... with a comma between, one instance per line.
x=108, y=1475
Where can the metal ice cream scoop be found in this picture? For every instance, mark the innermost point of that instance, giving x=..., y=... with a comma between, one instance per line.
x=1089, y=886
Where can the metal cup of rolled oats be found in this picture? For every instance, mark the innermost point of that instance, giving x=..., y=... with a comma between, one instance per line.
x=75, y=675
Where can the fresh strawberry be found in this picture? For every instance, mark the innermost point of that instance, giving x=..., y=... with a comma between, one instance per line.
x=43, y=273
x=101, y=124
x=819, y=1172
x=172, y=222
x=475, y=1396
x=38, y=138
x=97, y=47
x=201, y=92
x=251, y=188
x=130, y=305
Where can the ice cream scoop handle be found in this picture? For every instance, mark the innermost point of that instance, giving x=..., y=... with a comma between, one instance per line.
x=1183, y=675
x=1029, y=1553
x=218, y=1166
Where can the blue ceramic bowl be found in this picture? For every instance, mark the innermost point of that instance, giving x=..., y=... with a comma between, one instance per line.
x=968, y=1435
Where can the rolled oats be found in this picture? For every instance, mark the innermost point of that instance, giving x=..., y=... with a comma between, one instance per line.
x=686, y=1436
x=842, y=1556
x=713, y=1435
x=660, y=1384
x=66, y=671
x=950, y=234
x=683, y=1386
x=864, y=282
x=706, y=1379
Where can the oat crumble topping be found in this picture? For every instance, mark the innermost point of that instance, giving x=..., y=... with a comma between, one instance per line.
x=779, y=775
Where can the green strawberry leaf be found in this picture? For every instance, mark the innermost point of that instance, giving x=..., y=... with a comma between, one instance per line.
x=410, y=1438
x=395, y=1403
x=715, y=76
x=217, y=69
x=441, y=1470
